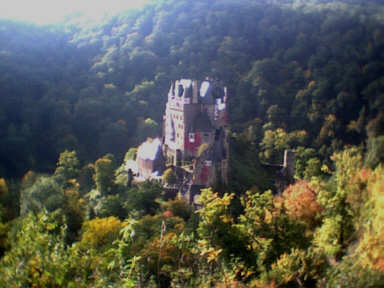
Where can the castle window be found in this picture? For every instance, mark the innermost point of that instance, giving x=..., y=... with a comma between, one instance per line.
x=170, y=129
x=191, y=137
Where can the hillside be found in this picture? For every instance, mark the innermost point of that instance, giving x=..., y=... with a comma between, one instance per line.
x=78, y=99
x=313, y=67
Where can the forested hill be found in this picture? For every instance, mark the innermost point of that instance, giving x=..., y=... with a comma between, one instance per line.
x=305, y=74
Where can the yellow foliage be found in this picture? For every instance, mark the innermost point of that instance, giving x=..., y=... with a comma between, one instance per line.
x=330, y=118
x=325, y=169
x=230, y=284
x=100, y=231
x=311, y=84
x=371, y=246
x=226, y=219
x=353, y=126
x=109, y=86
x=202, y=149
x=211, y=254
x=3, y=189
x=300, y=94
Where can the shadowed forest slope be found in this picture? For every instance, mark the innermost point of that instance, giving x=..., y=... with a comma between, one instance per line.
x=312, y=69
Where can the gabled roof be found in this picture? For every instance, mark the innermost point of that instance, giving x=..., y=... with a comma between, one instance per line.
x=149, y=150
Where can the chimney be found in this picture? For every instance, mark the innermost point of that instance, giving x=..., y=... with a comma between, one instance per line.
x=289, y=162
x=195, y=89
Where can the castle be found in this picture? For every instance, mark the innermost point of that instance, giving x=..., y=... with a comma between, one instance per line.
x=194, y=142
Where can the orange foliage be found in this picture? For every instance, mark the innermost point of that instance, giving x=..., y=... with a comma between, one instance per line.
x=363, y=175
x=301, y=202
x=167, y=214
x=380, y=265
x=160, y=252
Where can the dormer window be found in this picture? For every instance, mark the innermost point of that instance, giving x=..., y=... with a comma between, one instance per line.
x=204, y=88
x=180, y=90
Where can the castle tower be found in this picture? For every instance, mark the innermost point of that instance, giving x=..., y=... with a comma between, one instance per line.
x=194, y=121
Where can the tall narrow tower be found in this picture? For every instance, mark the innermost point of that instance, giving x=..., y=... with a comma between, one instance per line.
x=194, y=130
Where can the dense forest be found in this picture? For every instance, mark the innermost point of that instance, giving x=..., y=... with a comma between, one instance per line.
x=77, y=98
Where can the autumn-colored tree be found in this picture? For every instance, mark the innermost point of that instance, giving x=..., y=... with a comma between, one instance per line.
x=100, y=232
x=269, y=230
x=300, y=201
x=371, y=246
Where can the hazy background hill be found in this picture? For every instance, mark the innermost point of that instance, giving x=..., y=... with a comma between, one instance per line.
x=300, y=74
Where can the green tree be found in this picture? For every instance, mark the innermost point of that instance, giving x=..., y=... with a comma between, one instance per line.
x=45, y=193
x=143, y=198
x=104, y=175
x=67, y=166
x=169, y=177
x=38, y=256
x=375, y=151
x=337, y=231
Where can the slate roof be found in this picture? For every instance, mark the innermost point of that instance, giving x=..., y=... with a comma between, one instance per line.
x=202, y=123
